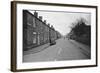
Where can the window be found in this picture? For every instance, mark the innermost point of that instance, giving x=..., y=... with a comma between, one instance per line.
x=34, y=33
x=34, y=37
x=28, y=23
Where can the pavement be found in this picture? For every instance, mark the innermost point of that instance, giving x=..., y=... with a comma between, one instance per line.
x=85, y=48
x=36, y=49
x=64, y=49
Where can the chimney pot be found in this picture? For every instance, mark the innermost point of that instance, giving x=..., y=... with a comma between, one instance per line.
x=44, y=21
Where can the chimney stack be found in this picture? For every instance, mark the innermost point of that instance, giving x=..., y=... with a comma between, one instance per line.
x=45, y=21
x=40, y=17
x=52, y=27
x=48, y=24
x=35, y=14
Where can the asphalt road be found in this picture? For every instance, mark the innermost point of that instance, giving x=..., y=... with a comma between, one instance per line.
x=64, y=49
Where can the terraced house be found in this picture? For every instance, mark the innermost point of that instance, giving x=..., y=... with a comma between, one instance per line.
x=36, y=31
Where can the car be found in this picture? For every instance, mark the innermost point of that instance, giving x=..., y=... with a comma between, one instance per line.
x=53, y=42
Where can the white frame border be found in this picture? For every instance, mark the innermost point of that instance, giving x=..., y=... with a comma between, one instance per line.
x=21, y=65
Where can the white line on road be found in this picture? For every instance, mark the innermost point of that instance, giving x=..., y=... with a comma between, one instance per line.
x=55, y=60
x=59, y=51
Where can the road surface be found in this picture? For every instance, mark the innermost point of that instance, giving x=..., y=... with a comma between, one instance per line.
x=64, y=49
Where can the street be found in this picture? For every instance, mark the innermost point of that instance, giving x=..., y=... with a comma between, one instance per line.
x=64, y=49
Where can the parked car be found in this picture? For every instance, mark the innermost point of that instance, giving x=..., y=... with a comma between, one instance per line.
x=52, y=42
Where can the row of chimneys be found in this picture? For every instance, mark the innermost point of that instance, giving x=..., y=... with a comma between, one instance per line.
x=40, y=17
x=36, y=15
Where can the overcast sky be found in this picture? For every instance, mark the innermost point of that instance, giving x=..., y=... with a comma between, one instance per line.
x=61, y=21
